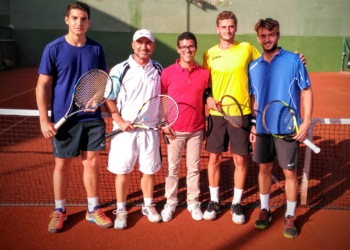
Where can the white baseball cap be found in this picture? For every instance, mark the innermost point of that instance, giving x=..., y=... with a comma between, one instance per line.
x=143, y=33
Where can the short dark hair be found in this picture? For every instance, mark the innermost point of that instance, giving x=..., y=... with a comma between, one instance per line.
x=80, y=6
x=186, y=36
x=226, y=15
x=268, y=23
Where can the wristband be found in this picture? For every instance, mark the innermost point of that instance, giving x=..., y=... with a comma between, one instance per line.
x=207, y=93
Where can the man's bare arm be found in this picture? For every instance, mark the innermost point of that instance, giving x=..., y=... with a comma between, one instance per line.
x=114, y=113
x=308, y=107
x=42, y=93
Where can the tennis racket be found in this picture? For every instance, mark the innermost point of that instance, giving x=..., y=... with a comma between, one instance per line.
x=231, y=110
x=280, y=121
x=91, y=91
x=157, y=113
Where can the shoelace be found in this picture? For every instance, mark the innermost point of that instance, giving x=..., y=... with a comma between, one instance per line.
x=56, y=216
x=152, y=209
x=263, y=215
x=237, y=209
x=210, y=206
x=101, y=214
x=120, y=214
x=169, y=207
x=290, y=222
x=196, y=208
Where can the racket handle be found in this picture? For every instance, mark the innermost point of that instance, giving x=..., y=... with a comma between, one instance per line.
x=166, y=139
x=117, y=131
x=60, y=123
x=312, y=146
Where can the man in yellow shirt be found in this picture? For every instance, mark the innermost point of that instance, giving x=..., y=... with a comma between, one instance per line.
x=228, y=64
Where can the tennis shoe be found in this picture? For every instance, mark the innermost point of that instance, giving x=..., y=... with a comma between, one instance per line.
x=237, y=214
x=213, y=209
x=290, y=230
x=167, y=212
x=121, y=217
x=262, y=222
x=151, y=213
x=58, y=218
x=196, y=212
x=98, y=216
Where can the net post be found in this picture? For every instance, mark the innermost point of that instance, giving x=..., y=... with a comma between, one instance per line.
x=306, y=170
x=343, y=56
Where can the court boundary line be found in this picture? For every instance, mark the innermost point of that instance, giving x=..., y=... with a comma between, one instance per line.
x=16, y=95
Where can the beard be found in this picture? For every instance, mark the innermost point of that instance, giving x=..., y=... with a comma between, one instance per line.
x=274, y=48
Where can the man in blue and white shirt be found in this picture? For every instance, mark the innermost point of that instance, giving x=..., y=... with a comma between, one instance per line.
x=135, y=81
x=278, y=75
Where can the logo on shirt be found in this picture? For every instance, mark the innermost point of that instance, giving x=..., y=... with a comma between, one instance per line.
x=215, y=57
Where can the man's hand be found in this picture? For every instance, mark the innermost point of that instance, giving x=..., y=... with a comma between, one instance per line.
x=91, y=103
x=125, y=125
x=302, y=58
x=252, y=136
x=302, y=134
x=170, y=133
x=48, y=130
x=211, y=102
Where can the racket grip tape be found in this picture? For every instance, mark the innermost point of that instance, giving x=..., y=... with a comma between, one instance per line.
x=312, y=146
x=60, y=123
x=166, y=139
x=113, y=133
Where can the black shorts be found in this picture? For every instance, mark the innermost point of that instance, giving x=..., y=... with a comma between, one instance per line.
x=267, y=146
x=74, y=137
x=220, y=133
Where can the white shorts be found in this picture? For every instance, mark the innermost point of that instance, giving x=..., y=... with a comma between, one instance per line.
x=127, y=147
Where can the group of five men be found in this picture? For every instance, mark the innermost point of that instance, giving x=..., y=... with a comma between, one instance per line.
x=229, y=68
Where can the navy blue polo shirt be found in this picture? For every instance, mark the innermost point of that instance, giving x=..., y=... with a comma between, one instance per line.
x=282, y=79
x=66, y=63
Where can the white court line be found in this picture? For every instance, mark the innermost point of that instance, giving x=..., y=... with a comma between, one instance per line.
x=16, y=95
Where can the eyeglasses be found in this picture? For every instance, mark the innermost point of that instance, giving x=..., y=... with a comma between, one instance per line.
x=190, y=48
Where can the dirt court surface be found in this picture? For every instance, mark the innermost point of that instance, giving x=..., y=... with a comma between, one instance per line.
x=26, y=227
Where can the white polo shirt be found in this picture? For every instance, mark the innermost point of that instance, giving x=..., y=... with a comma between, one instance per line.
x=133, y=85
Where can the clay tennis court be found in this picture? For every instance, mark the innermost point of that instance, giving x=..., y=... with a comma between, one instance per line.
x=26, y=226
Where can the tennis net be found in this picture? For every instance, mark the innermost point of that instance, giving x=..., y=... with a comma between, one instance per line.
x=27, y=163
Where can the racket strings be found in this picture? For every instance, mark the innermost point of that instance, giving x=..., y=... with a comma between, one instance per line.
x=91, y=89
x=158, y=112
x=278, y=119
x=232, y=111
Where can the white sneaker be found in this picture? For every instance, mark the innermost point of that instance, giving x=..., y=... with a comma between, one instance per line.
x=237, y=214
x=195, y=209
x=120, y=220
x=213, y=209
x=151, y=213
x=167, y=213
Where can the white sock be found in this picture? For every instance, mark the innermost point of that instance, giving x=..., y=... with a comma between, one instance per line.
x=291, y=205
x=92, y=203
x=237, y=196
x=60, y=204
x=121, y=205
x=147, y=201
x=214, y=193
x=264, y=200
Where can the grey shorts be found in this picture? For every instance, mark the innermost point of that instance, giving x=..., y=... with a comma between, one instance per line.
x=74, y=137
x=267, y=146
x=220, y=133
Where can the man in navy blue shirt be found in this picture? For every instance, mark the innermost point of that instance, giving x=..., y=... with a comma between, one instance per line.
x=63, y=62
x=278, y=75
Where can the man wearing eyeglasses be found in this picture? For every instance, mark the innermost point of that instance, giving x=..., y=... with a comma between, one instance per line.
x=185, y=81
